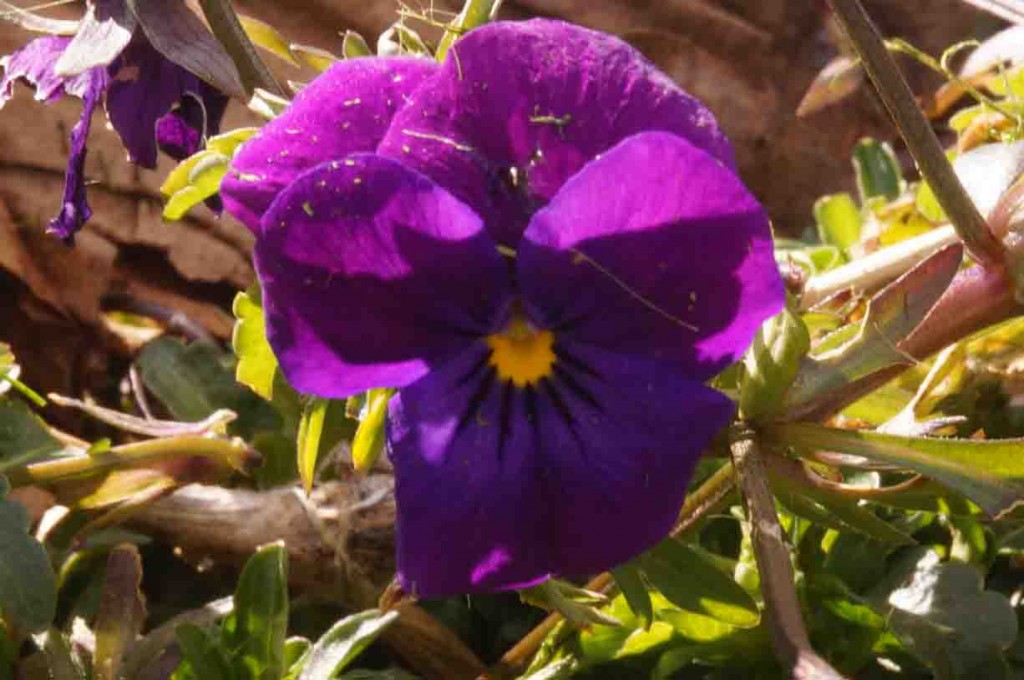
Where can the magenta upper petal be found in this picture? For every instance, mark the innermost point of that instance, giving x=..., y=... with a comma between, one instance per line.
x=371, y=274
x=656, y=249
x=499, y=487
x=345, y=110
x=519, y=107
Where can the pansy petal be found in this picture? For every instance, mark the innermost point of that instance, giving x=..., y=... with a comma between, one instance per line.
x=371, y=273
x=499, y=487
x=34, y=64
x=180, y=133
x=655, y=249
x=345, y=110
x=519, y=107
x=146, y=86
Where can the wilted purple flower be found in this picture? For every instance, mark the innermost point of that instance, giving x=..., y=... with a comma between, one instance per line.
x=549, y=253
x=150, y=103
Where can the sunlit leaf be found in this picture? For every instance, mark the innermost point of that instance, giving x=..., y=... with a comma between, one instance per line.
x=838, y=220
x=877, y=170
x=317, y=59
x=255, y=632
x=771, y=364
x=340, y=645
x=353, y=46
x=629, y=579
x=24, y=438
x=269, y=38
x=368, y=443
x=311, y=427
x=257, y=365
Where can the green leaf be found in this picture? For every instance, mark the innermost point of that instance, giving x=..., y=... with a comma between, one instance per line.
x=311, y=427
x=990, y=473
x=838, y=220
x=946, y=618
x=204, y=180
x=877, y=170
x=257, y=365
x=295, y=651
x=255, y=632
x=28, y=588
x=340, y=645
x=195, y=380
x=317, y=59
x=368, y=443
x=24, y=438
x=266, y=36
x=631, y=583
x=227, y=143
x=122, y=611
x=353, y=46
x=474, y=13
x=771, y=364
x=692, y=581
x=203, y=658
x=891, y=316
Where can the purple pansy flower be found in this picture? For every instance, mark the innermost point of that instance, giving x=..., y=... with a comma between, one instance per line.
x=544, y=245
x=151, y=103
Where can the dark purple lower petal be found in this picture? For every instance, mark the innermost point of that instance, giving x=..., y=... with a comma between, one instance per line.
x=499, y=487
x=371, y=273
x=145, y=87
x=345, y=110
x=181, y=132
x=520, y=106
x=656, y=249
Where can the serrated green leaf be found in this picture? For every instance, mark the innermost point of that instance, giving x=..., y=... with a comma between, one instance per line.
x=257, y=365
x=990, y=473
x=838, y=220
x=340, y=645
x=255, y=632
x=689, y=579
x=631, y=584
x=266, y=36
x=877, y=170
x=771, y=364
x=28, y=587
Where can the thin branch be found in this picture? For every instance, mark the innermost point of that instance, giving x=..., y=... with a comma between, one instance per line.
x=917, y=133
x=782, y=606
x=229, y=31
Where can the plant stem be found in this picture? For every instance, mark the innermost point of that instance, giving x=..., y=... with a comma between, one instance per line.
x=782, y=606
x=917, y=133
x=706, y=499
x=228, y=29
x=232, y=451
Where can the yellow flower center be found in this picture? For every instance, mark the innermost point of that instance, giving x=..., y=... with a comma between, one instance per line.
x=522, y=353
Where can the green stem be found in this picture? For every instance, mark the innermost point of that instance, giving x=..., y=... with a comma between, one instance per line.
x=917, y=133
x=232, y=451
x=229, y=31
x=474, y=13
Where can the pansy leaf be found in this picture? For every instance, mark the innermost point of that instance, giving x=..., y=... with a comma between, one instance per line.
x=317, y=59
x=771, y=364
x=311, y=428
x=630, y=580
x=202, y=655
x=257, y=365
x=24, y=438
x=990, y=473
x=121, y=613
x=195, y=380
x=255, y=632
x=838, y=220
x=344, y=642
x=689, y=579
x=891, y=316
x=269, y=38
x=28, y=588
x=204, y=178
x=354, y=45
x=877, y=170
x=946, y=618
x=368, y=443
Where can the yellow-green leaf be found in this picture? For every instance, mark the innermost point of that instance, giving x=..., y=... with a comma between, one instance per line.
x=266, y=36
